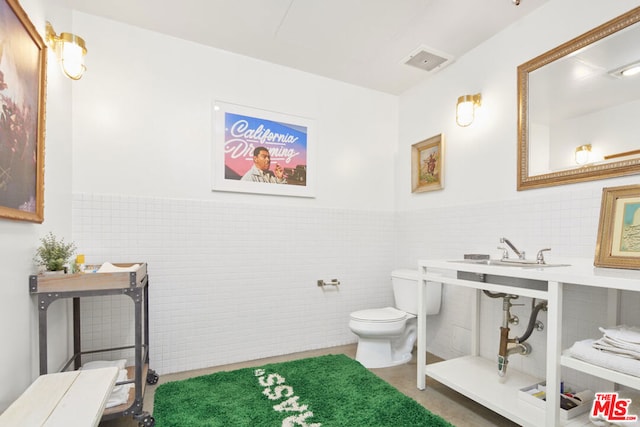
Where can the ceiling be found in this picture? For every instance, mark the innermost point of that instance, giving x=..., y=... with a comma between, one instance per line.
x=363, y=42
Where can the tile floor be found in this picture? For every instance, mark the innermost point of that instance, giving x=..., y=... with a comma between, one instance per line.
x=450, y=405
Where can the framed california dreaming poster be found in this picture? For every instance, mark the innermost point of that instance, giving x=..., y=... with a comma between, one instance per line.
x=263, y=152
x=22, y=91
x=427, y=159
x=618, y=243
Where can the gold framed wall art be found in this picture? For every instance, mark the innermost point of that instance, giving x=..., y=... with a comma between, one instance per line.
x=22, y=95
x=618, y=243
x=427, y=160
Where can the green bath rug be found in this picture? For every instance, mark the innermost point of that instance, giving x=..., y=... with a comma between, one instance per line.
x=329, y=391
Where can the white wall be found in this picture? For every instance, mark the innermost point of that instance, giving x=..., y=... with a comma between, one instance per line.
x=487, y=148
x=479, y=203
x=233, y=276
x=143, y=120
x=18, y=314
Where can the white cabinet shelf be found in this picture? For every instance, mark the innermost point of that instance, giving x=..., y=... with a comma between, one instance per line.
x=476, y=377
x=600, y=372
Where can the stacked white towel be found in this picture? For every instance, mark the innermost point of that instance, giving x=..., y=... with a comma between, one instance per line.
x=618, y=349
x=620, y=340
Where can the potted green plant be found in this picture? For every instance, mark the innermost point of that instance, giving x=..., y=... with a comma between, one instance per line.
x=53, y=254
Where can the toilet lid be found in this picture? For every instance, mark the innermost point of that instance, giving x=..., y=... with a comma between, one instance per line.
x=387, y=314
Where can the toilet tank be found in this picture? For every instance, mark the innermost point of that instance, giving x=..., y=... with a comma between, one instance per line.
x=405, y=292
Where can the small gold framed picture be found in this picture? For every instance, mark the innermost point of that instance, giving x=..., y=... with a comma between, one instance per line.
x=427, y=160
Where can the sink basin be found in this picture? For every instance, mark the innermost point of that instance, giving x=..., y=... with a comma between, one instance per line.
x=508, y=263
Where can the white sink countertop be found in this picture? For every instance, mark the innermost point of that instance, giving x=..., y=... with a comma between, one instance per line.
x=578, y=270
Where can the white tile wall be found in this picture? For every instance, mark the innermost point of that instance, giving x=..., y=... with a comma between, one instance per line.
x=233, y=281
x=564, y=221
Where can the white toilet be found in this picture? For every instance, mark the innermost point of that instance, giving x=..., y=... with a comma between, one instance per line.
x=386, y=335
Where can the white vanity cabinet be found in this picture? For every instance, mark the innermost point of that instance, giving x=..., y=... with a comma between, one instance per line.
x=477, y=377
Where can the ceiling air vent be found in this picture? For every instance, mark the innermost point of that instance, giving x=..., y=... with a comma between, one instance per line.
x=427, y=59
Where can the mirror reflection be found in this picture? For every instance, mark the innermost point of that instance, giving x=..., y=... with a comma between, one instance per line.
x=579, y=107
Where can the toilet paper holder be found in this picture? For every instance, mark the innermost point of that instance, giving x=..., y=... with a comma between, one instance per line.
x=333, y=282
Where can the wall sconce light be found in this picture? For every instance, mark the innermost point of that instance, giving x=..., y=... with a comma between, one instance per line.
x=583, y=153
x=70, y=51
x=466, y=108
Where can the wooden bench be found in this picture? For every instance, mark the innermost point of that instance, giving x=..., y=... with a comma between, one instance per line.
x=64, y=399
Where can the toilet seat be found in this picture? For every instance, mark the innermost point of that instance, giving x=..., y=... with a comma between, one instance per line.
x=386, y=336
x=379, y=315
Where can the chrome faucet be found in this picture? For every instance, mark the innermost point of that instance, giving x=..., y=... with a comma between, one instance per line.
x=513, y=248
x=540, y=257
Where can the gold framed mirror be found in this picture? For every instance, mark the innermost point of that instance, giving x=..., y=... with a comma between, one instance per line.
x=578, y=117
